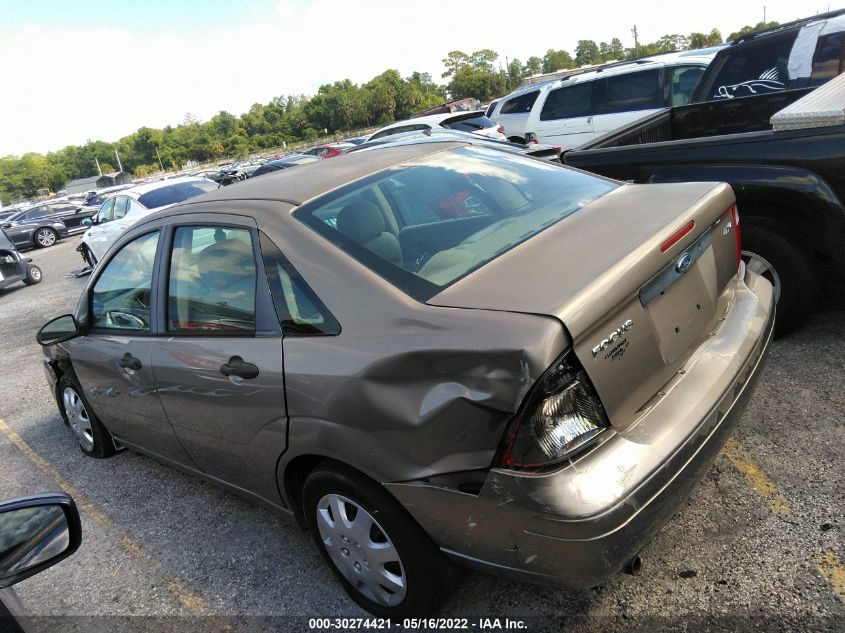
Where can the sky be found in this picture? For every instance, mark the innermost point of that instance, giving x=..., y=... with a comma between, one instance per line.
x=100, y=69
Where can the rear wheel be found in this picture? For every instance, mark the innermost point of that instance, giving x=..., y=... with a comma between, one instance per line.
x=789, y=270
x=93, y=438
x=45, y=237
x=33, y=275
x=382, y=557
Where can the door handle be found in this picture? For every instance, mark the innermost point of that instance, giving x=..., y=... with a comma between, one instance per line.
x=129, y=362
x=237, y=367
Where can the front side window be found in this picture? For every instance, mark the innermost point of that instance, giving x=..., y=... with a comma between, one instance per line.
x=300, y=311
x=424, y=224
x=106, y=211
x=520, y=104
x=634, y=91
x=212, y=280
x=37, y=214
x=120, y=299
x=569, y=102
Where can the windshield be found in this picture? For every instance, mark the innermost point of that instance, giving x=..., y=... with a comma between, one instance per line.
x=179, y=192
x=424, y=224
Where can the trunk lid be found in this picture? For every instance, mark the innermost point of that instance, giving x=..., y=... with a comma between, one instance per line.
x=635, y=314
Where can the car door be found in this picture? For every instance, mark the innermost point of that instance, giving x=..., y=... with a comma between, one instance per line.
x=626, y=97
x=113, y=358
x=219, y=367
x=96, y=235
x=115, y=227
x=21, y=233
x=566, y=116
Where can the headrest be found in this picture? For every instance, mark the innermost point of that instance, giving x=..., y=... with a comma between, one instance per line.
x=361, y=221
x=223, y=262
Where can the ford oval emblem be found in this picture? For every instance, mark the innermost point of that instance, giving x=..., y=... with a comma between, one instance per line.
x=683, y=263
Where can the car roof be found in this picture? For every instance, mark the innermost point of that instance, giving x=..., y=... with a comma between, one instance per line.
x=311, y=180
x=434, y=119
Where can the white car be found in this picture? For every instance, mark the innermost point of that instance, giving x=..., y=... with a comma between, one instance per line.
x=122, y=210
x=474, y=122
x=575, y=109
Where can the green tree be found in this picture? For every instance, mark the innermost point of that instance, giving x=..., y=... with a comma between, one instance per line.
x=534, y=66
x=556, y=60
x=587, y=53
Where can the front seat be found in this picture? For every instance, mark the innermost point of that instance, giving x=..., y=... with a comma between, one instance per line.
x=363, y=222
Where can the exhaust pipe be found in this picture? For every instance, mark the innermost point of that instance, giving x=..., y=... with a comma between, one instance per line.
x=634, y=566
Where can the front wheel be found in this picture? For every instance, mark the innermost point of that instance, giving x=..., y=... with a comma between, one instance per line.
x=789, y=270
x=45, y=237
x=382, y=557
x=93, y=438
x=33, y=275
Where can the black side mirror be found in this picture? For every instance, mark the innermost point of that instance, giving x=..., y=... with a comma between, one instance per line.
x=60, y=329
x=35, y=533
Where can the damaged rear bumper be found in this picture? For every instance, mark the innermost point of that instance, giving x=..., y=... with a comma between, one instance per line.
x=579, y=525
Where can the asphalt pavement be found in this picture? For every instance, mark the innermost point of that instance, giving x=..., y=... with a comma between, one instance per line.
x=760, y=544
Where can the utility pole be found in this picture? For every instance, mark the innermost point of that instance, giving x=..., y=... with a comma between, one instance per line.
x=636, y=41
x=99, y=171
x=764, y=16
x=119, y=166
x=159, y=159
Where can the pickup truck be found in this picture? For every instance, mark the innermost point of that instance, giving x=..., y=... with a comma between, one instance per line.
x=789, y=185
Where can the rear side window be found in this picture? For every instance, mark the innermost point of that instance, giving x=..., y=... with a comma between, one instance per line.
x=470, y=124
x=399, y=129
x=212, y=280
x=521, y=104
x=827, y=62
x=300, y=311
x=756, y=68
x=171, y=194
x=634, y=91
x=682, y=81
x=121, y=206
x=491, y=108
x=569, y=102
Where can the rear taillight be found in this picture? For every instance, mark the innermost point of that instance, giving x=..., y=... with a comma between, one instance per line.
x=501, y=129
x=738, y=237
x=561, y=416
x=530, y=137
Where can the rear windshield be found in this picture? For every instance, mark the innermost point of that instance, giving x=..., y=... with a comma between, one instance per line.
x=171, y=194
x=469, y=124
x=427, y=223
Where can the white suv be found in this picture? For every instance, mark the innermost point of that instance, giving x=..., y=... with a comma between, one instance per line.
x=575, y=109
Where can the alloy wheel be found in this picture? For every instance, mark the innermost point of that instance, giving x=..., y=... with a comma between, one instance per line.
x=79, y=419
x=35, y=273
x=361, y=550
x=760, y=265
x=45, y=237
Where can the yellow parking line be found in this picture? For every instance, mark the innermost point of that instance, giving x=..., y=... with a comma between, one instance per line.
x=174, y=585
x=744, y=463
x=830, y=567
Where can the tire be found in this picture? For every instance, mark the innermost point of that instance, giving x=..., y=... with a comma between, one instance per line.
x=93, y=438
x=414, y=578
x=33, y=275
x=788, y=268
x=44, y=237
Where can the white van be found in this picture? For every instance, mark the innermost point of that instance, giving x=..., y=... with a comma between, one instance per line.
x=573, y=110
x=511, y=111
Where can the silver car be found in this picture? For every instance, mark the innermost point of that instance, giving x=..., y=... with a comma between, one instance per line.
x=428, y=353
